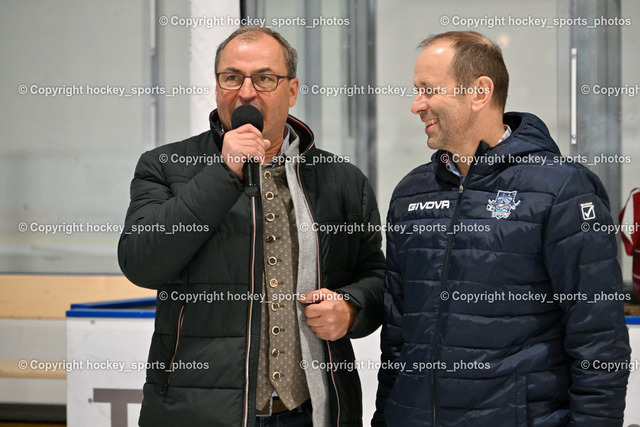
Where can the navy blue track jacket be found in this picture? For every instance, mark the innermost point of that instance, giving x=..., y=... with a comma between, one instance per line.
x=490, y=317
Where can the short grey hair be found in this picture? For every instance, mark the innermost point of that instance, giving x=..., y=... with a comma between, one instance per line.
x=250, y=32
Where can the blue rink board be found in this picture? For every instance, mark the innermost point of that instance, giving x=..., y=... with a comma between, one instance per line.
x=126, y=308
x=146, y=308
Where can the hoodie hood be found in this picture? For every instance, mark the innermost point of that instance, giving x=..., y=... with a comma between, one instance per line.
x=528, y=135
x=529, y=138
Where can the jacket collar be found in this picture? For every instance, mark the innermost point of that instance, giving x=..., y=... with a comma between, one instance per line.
x=529, y=135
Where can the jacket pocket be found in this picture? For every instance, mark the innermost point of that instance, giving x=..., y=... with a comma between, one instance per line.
x=471, y=402
x=169, y=367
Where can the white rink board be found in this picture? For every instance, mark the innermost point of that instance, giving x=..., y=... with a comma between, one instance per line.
x=117, y=341
x=115, y=344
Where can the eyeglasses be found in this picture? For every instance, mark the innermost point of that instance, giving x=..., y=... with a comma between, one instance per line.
x=261, y=82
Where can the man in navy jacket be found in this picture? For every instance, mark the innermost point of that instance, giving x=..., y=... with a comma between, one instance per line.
x=503, y=299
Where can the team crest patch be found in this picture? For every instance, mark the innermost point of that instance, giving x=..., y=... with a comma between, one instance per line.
x=503, y=204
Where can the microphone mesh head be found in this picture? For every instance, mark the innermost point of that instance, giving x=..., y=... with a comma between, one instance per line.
x=247, y=114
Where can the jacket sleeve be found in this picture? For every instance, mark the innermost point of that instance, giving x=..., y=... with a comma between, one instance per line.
x=149, y=252
x=366, y=290
x=581, y=261
x=391, y=339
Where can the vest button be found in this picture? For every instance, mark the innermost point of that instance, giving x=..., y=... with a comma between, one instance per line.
x=267, y=174
x=275, y=330
x=273, y=283
x=272, y=260
x=276, y=376
x=270, y=216
x=269, y=195
x=275, y=306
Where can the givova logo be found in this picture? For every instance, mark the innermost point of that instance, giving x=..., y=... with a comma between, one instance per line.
x=431, y=204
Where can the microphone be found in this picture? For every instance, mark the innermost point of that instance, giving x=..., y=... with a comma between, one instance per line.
x=241, y=116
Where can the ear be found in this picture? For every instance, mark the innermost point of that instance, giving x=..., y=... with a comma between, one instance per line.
x=293, y=91
x=482, y=93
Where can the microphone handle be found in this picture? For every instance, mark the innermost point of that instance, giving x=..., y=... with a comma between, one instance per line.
x=251, y=175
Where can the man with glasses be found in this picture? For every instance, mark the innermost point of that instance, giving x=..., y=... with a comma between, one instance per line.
x=258, y=296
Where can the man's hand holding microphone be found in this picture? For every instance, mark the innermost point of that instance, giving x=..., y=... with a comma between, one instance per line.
x=244, y=149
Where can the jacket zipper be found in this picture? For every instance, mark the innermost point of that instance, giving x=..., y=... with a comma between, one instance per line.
x=252, y=285
x=319, y=285
x=445, y=276
x=175, y=351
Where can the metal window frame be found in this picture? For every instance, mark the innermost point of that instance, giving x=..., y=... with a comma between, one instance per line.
x=361, y=70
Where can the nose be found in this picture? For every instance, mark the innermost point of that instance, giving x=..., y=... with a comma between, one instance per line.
x=419, y=104
x=247, y=91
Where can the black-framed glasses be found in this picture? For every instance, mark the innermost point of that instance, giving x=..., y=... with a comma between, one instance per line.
x=261, y=82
